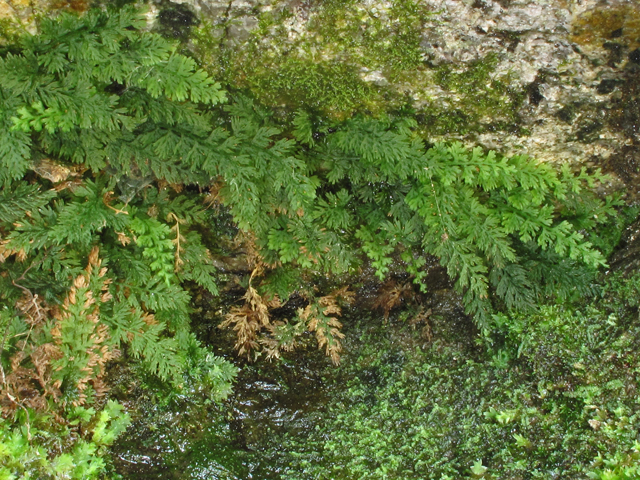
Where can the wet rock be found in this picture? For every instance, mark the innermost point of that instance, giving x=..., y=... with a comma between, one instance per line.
x=240, y=28
x=176, y=20
x=627, y=258
x=616, y=52
x=607, y=86
x=626, y=165
x=232, y=264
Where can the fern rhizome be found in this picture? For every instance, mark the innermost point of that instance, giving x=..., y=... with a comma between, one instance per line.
x=112, y=147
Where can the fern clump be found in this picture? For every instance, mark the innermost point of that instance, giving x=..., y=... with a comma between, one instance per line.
x=113, y=146
x=506, y=229
x=509, y=231
x=95, y=247
x=121, y=123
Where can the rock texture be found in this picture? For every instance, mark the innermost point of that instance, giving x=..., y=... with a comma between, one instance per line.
x=573, y=65
x=555, y=79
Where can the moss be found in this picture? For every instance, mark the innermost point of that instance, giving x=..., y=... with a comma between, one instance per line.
x=176, y=21
x=335, y=88
x=323, y=69
x=530, y=400
x=479, y=101
x=388, y=40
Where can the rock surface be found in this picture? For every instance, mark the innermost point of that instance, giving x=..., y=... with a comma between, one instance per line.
x=573, y=65
x=550, y=78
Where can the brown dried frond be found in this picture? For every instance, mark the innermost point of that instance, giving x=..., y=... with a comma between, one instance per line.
x=330, y=304
x=346, y=295
x=282, y=337
x=94, y=259
x=42, y=357
x=100, y=352
x=272, y=301
x=257, y=305
x=153, y=211
x=29, y=383
x=100, y=388
x=179, y=240
x=4, y=251
x=247, y=324
x=16, y=359
x=21, y=394
x=123, y=239
x=177, y=187
x=326, y=327
x=30, y=386
x=392, y=295
x=270, y=344
x=249, y=320
x=149, y=319
x=213, y=198
x=21, y=255
x=422, y=318
x=108, y=198
x=33, y=308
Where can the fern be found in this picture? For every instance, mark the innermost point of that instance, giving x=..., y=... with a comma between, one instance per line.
x=100, y=92
x=153, y=237
x=469, y=208
x=22, y=198
x=198, y=266
x=131, y=121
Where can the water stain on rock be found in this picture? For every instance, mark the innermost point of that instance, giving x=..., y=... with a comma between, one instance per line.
x=619, y=20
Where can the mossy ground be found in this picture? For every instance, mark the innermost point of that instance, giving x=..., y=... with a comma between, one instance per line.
x=552, y=394
x=530, y=401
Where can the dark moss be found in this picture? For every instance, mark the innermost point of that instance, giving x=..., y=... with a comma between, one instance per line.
x=533, y=92
x=625, y=164
x=616, y=53
x=568, y=113
x=625, y=110
x=589, y=132
x=451, y=121
x=617, y=33
x=176, y=20
x=509, y=39
x=607, y=86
